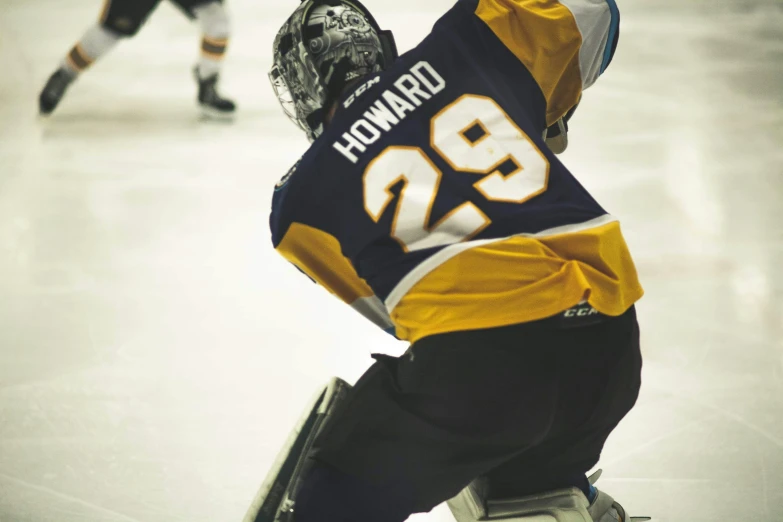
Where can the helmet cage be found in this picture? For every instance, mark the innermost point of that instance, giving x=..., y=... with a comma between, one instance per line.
x=283, y=93
x=298, y=84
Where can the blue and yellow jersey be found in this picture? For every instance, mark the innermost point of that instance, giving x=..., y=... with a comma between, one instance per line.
x=431, y=202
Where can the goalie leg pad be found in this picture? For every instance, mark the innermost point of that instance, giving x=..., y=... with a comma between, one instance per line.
x=562, y=505
x=275, y=500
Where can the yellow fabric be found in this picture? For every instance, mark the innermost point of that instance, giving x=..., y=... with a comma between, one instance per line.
x=544, y=35
x=318, y=254
x=519, y=280
x=105, y=11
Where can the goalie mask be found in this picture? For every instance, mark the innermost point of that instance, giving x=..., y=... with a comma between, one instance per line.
x=322, y=47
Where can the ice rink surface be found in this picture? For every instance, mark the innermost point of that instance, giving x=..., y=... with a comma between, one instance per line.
x=155, y=351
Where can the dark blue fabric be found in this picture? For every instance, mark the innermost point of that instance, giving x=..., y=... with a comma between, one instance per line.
x=326, y=191
x=528, y=407
x=329, y=495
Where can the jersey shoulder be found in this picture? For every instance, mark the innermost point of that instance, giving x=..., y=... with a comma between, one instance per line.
x=284, y=180
x=316, y=178
x=292, y=186
x=565, y=45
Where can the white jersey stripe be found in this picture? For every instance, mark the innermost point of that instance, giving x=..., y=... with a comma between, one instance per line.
x=374, y=310
x=437, y=259
x=595, y=21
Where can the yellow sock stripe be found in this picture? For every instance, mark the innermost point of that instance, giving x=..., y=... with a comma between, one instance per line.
x=70, y=62
x=212, y=56
x=212, y=49
x=215, y=41
x=78, y=58
x=105, y=11
x=83, y=54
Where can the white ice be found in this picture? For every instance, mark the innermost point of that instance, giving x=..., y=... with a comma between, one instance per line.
x=154, y=350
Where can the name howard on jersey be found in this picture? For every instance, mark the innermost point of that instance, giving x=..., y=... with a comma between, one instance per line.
x=410, y=92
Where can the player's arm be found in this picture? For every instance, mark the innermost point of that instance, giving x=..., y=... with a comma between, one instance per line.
x=564, y=44
x=318, y=255
x=300, y=233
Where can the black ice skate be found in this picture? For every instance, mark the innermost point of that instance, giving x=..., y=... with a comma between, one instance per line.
x=54, y=90
x=211, y=103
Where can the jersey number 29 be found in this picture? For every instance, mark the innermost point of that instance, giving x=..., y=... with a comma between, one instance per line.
x=472, y=134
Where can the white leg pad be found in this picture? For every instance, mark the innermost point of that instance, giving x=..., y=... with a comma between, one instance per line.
x=563, y=505
x=277, y=494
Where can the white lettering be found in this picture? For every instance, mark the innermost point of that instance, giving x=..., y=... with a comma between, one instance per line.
x=413, y=90
x=420, y=84
x=345, y=150
x=349, y=101
x=580, y=312
x=436, y=84
x=380, y=115
x=375, y=134
x=398, y=105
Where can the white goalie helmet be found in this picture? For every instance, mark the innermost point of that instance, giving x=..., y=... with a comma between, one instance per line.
x=323, y=46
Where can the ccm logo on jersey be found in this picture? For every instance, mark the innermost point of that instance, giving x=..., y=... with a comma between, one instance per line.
x=410, y=92
x=358, y=92
x=580, y=312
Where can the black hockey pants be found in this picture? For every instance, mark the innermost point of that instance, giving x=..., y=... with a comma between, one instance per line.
x=528, y=406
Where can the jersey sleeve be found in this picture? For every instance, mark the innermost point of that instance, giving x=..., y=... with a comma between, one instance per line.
x=565, y=45
x=318, y=255
x=297, y=236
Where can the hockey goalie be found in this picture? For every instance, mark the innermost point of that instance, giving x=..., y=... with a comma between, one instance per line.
x=432, y=201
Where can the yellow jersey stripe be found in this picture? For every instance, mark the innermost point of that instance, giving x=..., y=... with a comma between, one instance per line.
x=561, y=43
x=437, y=259
x=521, y=279
x=319, y=255
x=545, y=37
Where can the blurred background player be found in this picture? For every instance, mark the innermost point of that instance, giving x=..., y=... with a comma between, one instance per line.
x=122, y=19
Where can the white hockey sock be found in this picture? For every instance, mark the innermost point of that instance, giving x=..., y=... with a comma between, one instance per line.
x=96, y=42
x=216, y=31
